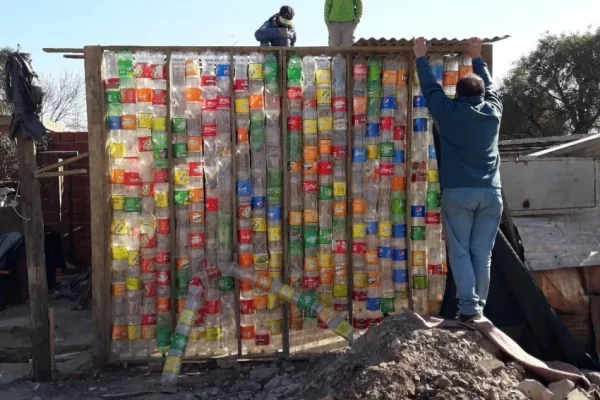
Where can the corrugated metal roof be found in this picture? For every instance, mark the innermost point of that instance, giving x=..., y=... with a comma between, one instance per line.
x=383, y=42
x=524, y=147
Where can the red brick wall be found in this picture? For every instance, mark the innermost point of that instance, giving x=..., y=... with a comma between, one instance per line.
x=56, y=215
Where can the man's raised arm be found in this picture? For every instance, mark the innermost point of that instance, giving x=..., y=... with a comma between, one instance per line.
x=437, y=101
x=480, y=69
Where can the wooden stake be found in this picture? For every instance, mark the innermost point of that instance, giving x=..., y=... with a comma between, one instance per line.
x=52, y=339
x=33, y=229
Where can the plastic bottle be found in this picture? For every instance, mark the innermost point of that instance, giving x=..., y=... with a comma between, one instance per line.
x=451, y=76
x=466, y=66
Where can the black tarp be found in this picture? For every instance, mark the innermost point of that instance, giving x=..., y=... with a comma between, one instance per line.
x=516, y=304
x=24, y=96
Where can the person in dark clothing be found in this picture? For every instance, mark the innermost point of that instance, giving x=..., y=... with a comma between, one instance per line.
x=278, y=30
x=470, y=174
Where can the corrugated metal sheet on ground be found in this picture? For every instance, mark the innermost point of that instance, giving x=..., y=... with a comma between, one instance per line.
x=409, y=42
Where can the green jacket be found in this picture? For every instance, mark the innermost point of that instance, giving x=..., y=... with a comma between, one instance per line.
x=343, y=11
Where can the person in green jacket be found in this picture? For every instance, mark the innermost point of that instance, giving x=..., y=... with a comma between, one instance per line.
x=341, y=18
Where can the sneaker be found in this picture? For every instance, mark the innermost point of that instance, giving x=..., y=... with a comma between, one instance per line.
x=466, y=319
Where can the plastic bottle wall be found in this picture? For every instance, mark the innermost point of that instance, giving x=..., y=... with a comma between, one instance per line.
x=342, y=222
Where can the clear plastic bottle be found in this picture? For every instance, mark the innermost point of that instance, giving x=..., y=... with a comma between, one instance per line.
x=466, y=66
x=451, y=76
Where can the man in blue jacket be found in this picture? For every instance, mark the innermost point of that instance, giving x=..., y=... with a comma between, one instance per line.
x=470, y=176
x=278, y=30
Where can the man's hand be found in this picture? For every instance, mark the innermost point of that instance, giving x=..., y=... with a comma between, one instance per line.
x=474, y=47
x=420, y=47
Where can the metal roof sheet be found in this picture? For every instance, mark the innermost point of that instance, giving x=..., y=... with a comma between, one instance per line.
x=383, y=42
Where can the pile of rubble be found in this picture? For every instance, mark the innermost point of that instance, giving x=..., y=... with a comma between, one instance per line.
x=402, y=359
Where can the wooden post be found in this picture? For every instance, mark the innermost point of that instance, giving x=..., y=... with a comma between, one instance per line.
x=99, y=206
x=33, y=229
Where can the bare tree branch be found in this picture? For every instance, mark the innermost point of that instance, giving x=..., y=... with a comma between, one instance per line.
x=64, y=99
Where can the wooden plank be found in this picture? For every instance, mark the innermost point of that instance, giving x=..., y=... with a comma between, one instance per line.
x=595, y=311
x=61, y=173
x=349, y=180
x=549, y=184
x=52, y=339
x=33, y=229
x=283, y=59
x=408, y=157
x=591, y=279
x=487, y=53
x=563, y=289
x=63, y=50
x=98, y=206
x=62, y=163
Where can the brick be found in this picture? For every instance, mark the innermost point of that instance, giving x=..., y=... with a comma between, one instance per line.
x=66, y=137
x=591, y=278
x=563, y=289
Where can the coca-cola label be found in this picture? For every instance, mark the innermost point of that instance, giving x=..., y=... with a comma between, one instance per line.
x=399, y=132
x=386, y=169
x=150, y=289
x=163, y=226
x=432, y=218
x=241, y=85
x=163, y=257
x=148, y=241
x=246, y=306
x=224, y=103
x=161, y=176
x=310, y=186
x=209, y=104
x=212, y=307
x=386, y=123
x=359, y=120
x=163, y=278
x=197, y=240
x=340, y=104
x=359, y=71
x=196, y=168
x=340, y=246
x=208, y=80
x=159, y=97
x=435, y=269
x=310, y=282
x=360, y=323
x=325, y=167
x=309, y=104
x=159, y=71
x=112, y=83
x=359, y=295
x=212, y=204
x=149, y=319
x=245, y=236
x=132, y=178
x=339, y=151
x=359, y=247
x=209, y=130
x=262, y=339
x=294, y=124
x=292, y=93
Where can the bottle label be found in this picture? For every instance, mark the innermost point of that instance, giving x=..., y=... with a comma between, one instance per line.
x=372, y=152
x=359, y=231
x=433, y=218
x=213, y=333
x=262, y=339
x=359, y=323
x=385, y=229
x=119, y=252
x=433, y=176
x=399, y=132
x=259, y=202
x=326, y=193
x=286, y=292
x=400, y=276
x=384, y=252
x=418, y=258
x=133, y=204
x=400, y=255
x=259, y=224
x=373, y=303
x=309, y=127
x=310, y=282
x=417, y=233
x=134, y=332
x=359, y=71
x=388, y=103
x=274, y=234
x=118, y=332
x=360, y=280
x=255, y=71
x=451, y=78
x=388, y=305
x=417, y=211
x=420, y=125
x=264, y=283
x=311, y=264
x=340, y=290
x=325, y=260
x=436, y=269
x=226, y=284
x=419, y=282
x=275, y=327
x=386, y=169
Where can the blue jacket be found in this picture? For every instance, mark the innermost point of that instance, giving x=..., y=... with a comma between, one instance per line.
x=271, y=33
x=469, y=128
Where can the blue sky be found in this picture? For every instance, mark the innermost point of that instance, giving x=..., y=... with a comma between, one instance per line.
x=71, y=23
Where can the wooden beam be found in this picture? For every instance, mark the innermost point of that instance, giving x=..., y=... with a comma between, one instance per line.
x=99, y=203
x=61, y=163
x=74, y=56
x=55, y=174
x=62, y=50
x=487, y=53
x=33, y=229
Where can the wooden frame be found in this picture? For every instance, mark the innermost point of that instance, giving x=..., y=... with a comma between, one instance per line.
x=99, y=187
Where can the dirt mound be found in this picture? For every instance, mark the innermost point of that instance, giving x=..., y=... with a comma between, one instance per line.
x=403, y=359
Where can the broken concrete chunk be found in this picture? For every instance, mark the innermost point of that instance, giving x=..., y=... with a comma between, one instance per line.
x=561, y=389
x=534, y=390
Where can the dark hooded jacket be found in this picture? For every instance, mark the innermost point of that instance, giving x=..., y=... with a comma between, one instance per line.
x=272, y=33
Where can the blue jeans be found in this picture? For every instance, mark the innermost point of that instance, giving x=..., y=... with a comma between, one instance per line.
x=471, y=217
